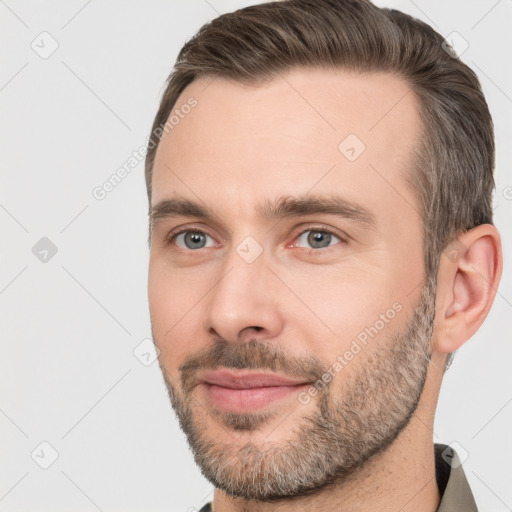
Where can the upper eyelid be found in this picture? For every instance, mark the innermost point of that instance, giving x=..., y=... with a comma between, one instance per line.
x=317, y=227
x=186, y=229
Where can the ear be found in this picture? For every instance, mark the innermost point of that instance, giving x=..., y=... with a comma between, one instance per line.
x=467, y=281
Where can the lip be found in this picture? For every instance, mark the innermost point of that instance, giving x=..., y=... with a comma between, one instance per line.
x=247, y=380
x=246, y=392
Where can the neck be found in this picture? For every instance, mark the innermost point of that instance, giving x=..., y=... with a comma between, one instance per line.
x=401, y=478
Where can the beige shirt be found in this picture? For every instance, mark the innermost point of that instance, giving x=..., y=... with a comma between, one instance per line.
x=456, y=495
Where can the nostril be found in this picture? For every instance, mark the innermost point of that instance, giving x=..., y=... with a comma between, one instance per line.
x=255, y=328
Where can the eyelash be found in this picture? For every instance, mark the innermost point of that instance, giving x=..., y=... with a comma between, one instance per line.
x=319, y=229
x=310, y=252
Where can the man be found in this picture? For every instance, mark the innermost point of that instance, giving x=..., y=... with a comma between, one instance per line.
x=320, y=178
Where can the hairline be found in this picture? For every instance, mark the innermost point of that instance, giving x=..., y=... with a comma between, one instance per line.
x=416, y=155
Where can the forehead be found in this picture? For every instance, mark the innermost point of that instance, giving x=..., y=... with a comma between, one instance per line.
x=308, y=130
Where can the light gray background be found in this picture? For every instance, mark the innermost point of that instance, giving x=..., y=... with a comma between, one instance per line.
x=70, y=325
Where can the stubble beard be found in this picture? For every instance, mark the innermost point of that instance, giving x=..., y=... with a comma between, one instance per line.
x=372, y=405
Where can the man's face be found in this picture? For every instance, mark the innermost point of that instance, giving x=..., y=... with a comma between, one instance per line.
x=269, y=283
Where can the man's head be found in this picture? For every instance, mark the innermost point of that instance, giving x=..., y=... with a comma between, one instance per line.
x=318, y=159
x=451, y=172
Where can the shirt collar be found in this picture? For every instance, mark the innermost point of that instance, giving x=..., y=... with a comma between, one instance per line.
x=453, y=486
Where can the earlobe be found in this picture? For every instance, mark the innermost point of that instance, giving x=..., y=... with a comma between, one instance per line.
x=469, y=274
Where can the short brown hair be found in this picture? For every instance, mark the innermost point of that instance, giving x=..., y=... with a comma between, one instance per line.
x=452, y=174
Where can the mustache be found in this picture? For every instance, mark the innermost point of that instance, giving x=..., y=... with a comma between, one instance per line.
x=250, y=355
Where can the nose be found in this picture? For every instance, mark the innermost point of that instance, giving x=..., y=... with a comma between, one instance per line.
x=245, y=302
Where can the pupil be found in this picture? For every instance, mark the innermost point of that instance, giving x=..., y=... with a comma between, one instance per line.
x=192, y=240
x=319, y=239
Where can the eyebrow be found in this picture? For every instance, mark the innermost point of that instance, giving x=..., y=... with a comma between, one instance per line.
x=283, y=207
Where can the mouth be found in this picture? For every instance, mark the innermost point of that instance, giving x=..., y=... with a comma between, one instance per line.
x=245, y=391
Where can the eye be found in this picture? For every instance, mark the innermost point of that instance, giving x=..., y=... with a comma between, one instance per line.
x=191, y=239
x=317, y=239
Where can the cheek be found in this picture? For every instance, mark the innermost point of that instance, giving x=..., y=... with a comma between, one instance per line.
x=164, y=294
x=171, y=293
x=341, y=305
x=162, y=299
x=176, y=314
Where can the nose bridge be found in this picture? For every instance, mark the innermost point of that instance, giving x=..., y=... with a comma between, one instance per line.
x=240, y=297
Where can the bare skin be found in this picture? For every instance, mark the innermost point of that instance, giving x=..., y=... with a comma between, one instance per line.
x=243, y=145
